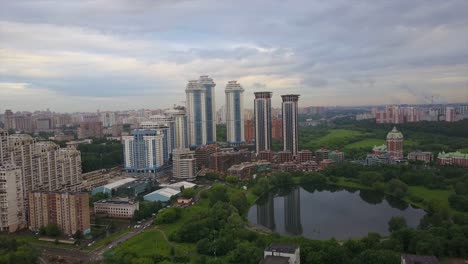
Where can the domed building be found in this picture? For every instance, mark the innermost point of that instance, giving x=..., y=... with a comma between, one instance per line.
x=395, y=144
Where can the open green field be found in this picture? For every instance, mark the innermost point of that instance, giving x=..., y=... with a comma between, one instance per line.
x=441, y=196
x=366, y=143
x=337, y=135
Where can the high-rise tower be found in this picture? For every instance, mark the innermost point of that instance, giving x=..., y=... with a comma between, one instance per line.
x=234, y=113
x=289, y=113
x=196, y=113
x=262, y=112
x=210, y=107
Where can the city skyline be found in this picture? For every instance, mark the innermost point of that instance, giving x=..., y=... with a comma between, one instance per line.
x=74, y=56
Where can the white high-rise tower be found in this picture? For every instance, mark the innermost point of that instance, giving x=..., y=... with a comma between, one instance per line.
x=196, y=113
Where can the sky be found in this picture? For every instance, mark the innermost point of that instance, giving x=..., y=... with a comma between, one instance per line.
x=85, y=55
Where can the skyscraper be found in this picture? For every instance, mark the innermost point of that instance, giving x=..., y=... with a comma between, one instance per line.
x=262, y=112
x=289, y=113
x=180, y=126
x=210, y=107
x=234, y=113
x=196, y=113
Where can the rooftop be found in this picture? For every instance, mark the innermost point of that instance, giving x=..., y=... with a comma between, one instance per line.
x=415, y=259
x=280, y=247
x=456, y=154
x=394, y=134
x=118, y=183
x=166, y=192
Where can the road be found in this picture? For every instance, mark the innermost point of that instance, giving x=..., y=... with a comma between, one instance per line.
x=80, y=256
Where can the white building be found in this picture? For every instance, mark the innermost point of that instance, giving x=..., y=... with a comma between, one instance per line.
x=12, y=211
x=180, y=126
x=108, y=119
x=282, y=253
x=184, y=164
x=234, y=113
x=118, y=208
x=144, y=151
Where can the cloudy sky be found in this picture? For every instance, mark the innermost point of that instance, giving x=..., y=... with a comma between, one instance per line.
x=125, y=54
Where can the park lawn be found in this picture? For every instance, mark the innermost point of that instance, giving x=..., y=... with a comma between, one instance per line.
x=440, y=196
x=145, y=244
x=366, y=143
x=337, y=135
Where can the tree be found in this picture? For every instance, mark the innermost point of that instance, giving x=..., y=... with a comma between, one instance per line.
x=168, y=216
x=218, y=193
x=377, y=256
x=370, y=177
x=232, y=179
x=188, y=193
x=238, y=200
x=245, y=252
x=396, y=223
x=52, y=230
x=281, y=179
x=397, y=188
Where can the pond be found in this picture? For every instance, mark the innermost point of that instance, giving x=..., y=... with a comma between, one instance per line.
x=330, y=212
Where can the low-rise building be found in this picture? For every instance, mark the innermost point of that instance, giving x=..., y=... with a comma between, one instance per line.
x=112, y=186
x=98, y=178
x=246, y=170
x=266, y=155
x=161, y=195
x=116, y=208
x=278, y=253
x=377, y=159
x=321, y=154
x=424, y=156
x=304, y=156
x=325, y=163
x=284, y=156
x=453, y=158
x=416, y=259
x=336, y=155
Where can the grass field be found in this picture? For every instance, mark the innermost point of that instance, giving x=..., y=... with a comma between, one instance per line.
x=366, y=143
x=337, y=135
x=441, y=196
x=152, y=241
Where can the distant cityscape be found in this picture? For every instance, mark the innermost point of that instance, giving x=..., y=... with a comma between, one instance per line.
x=43, y=183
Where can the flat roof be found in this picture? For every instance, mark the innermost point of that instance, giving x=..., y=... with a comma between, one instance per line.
x=282, y=247
x=177, y=185
x=118, y=183
x=167, y=192
x=416, y=259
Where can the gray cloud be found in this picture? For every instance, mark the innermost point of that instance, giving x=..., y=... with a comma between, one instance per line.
x=322, y=49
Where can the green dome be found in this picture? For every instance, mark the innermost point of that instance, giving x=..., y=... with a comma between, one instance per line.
x=394, y=134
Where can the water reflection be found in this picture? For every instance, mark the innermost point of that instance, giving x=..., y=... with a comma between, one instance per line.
x=292, y=212
x=266, y=211
x=323, y=212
